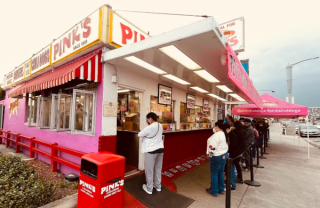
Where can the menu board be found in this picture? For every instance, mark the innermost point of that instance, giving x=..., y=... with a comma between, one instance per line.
x=41, y=60
x=27, y=67
x=191, y=101
x=9, y=79
x=164, y=95
x=205, y=105
x=123, y=102
x=18, y=73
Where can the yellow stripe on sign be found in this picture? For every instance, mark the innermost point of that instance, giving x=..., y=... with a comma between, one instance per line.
x=100, y=23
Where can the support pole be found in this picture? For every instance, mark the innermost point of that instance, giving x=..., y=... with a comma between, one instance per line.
x=228, y=184
x=252, y=182
x=258, y=162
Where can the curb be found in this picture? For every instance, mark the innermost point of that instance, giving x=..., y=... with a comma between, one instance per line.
x=66, y=202
x=312, y=143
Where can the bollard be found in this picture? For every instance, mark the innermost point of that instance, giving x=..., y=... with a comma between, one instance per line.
x=264, y=144
x=251, y=182
x=261, y=148
x=258, y=165
x=228, y=184
x=267, y=137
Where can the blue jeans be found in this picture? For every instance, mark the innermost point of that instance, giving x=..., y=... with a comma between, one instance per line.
x=217, y=164
x=233, y=176
x=254, y=148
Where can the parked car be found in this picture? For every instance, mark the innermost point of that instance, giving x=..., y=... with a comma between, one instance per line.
x=317, y=125
x=313, y=131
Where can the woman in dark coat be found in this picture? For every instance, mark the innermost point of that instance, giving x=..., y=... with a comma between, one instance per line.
x=234, y=151
x=239, y=135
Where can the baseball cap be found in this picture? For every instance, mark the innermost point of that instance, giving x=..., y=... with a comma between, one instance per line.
x=248, y=120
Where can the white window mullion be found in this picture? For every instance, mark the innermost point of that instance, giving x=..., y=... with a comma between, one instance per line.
x=38, y=112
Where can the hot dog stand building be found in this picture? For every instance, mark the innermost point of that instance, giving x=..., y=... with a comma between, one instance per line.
x=91, y=88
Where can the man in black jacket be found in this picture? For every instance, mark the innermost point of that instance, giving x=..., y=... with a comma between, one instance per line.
x=247, y=140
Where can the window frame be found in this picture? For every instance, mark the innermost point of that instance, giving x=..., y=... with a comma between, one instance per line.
x=58, y=113
x=41, y=113
x=94, y=106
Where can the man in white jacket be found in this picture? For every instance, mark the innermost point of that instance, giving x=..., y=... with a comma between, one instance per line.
x=152, y=147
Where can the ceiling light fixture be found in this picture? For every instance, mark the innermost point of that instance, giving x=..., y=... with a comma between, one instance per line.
x=237, y=97
x=199, y=89
x=144, y=64
x=176, y=79
x=217, y=97
x=206, y=75
x=119, y=91
x=180, y=57
x=224, y=88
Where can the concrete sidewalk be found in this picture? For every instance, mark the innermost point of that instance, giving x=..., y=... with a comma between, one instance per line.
x=289, y=178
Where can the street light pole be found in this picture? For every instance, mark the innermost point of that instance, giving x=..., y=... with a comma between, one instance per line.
x=289, y=77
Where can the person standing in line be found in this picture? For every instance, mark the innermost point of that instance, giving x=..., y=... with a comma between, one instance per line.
x=152, y=147
x=256, y=137
x=248, y=139
x=217, y=151
x=239, y=131
x=234, y=151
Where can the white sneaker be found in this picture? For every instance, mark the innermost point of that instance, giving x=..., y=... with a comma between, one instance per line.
x=156, y=188
x=144, y=186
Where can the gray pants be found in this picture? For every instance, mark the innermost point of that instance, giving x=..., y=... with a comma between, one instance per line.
x=153, y=168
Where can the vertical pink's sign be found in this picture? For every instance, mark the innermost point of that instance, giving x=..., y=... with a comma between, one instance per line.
x=239, y=77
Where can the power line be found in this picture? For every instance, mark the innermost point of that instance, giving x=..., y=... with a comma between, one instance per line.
x=188, y=15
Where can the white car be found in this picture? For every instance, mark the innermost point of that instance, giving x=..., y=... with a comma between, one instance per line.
x=317, y=125
x=313, y=131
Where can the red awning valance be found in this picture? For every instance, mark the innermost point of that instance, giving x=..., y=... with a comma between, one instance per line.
x=88, y=68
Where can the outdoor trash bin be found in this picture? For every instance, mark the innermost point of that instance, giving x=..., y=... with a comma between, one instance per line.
x=101, y=180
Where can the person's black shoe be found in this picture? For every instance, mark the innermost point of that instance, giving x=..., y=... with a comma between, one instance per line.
x=209, y=192
x=239, y=180
x=222, y=193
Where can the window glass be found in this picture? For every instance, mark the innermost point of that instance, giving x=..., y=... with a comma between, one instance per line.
x=46, y=112
x=128, y=117
x=84, y=111
x=165, y=113
x=33, y=110
x=64, y=106
x=194, y=118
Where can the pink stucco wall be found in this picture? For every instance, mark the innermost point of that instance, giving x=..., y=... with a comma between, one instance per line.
x=74, y=141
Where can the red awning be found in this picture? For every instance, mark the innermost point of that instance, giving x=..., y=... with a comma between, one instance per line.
x=88, y=68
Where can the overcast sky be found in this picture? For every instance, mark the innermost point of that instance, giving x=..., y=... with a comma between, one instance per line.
x=277, y=33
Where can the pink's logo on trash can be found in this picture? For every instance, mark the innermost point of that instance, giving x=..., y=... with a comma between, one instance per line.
x=88, y=186
x=112, y=189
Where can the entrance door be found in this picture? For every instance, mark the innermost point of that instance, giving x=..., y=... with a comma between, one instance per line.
x=128, y=126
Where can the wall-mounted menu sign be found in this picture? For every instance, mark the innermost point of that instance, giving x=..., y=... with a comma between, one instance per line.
x=41, y=60
x=164, y=95
x=18, y=73
x=9, y=79
x=27, y=67
x=205, y=105
x=191, y=101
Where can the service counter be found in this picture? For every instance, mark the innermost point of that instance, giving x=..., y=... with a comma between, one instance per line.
x=178, y=146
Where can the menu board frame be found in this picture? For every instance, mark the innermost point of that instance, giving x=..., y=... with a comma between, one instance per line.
x=191, y=97
x=163, y=97
x=205, y=105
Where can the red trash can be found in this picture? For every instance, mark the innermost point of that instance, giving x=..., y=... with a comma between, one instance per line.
x=101, y=180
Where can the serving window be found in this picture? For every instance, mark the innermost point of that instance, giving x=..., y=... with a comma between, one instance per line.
x=71, y=111
x=194, y=118
x=165, y=113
